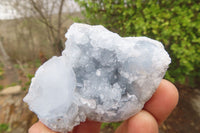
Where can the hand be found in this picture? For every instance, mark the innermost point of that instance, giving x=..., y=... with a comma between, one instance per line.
x=155, y=111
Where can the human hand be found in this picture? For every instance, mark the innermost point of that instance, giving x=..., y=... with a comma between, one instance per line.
x=155, y=111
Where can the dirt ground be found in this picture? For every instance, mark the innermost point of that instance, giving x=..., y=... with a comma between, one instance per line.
x=184, y=119
x=15, y=113
x=186, y=116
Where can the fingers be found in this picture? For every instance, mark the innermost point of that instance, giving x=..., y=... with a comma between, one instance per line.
x=163, y=101
x=40, y=128
x=143, y=122
x=155, y=111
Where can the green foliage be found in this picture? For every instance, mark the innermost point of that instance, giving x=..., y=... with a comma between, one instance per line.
x=12, y=84
x=37, y=63
x=27, y=84
x=1, y=71
x=4, y=127
x=24, y=88
x=110, y=125
x=175, y=23
x=1, y=87
x=30, y=76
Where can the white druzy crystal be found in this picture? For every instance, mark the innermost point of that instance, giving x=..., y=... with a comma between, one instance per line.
x=100, y=76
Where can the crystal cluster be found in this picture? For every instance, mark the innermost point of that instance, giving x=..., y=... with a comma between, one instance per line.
x=100, y=76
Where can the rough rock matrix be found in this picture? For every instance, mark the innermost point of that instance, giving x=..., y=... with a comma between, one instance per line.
x=100, y=75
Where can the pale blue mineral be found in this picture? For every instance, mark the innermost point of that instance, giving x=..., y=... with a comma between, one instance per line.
x=100, y=76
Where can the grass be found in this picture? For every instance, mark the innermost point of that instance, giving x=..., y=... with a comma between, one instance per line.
x=12, y=84
x=4, y=127
x=1, y=72
x=1, y=87
x=110, y=125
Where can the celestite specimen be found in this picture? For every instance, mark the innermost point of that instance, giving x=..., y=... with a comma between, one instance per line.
x=100, y=76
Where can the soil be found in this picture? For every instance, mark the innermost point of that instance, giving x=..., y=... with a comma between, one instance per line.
x=186, y=117
x=15, y=113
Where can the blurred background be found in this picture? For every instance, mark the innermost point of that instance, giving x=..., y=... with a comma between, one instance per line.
x=32, y=31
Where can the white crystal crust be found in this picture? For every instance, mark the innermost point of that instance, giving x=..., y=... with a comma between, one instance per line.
x=100, y=76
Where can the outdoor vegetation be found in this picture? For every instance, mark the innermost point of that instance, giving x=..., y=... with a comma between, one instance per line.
x=176, y=23
x=29, y=40
x=37, y=34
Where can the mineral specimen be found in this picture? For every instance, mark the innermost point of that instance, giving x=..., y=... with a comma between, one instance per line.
x=100, y=76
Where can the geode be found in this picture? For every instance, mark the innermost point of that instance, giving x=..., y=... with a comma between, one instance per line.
x=100, y=76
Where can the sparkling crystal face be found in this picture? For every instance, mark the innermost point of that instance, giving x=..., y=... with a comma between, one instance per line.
x=100, y=76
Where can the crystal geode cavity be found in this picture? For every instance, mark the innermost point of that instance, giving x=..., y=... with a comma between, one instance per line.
x=100, y=76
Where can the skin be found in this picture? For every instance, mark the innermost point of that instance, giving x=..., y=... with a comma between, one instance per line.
x=155, y=111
